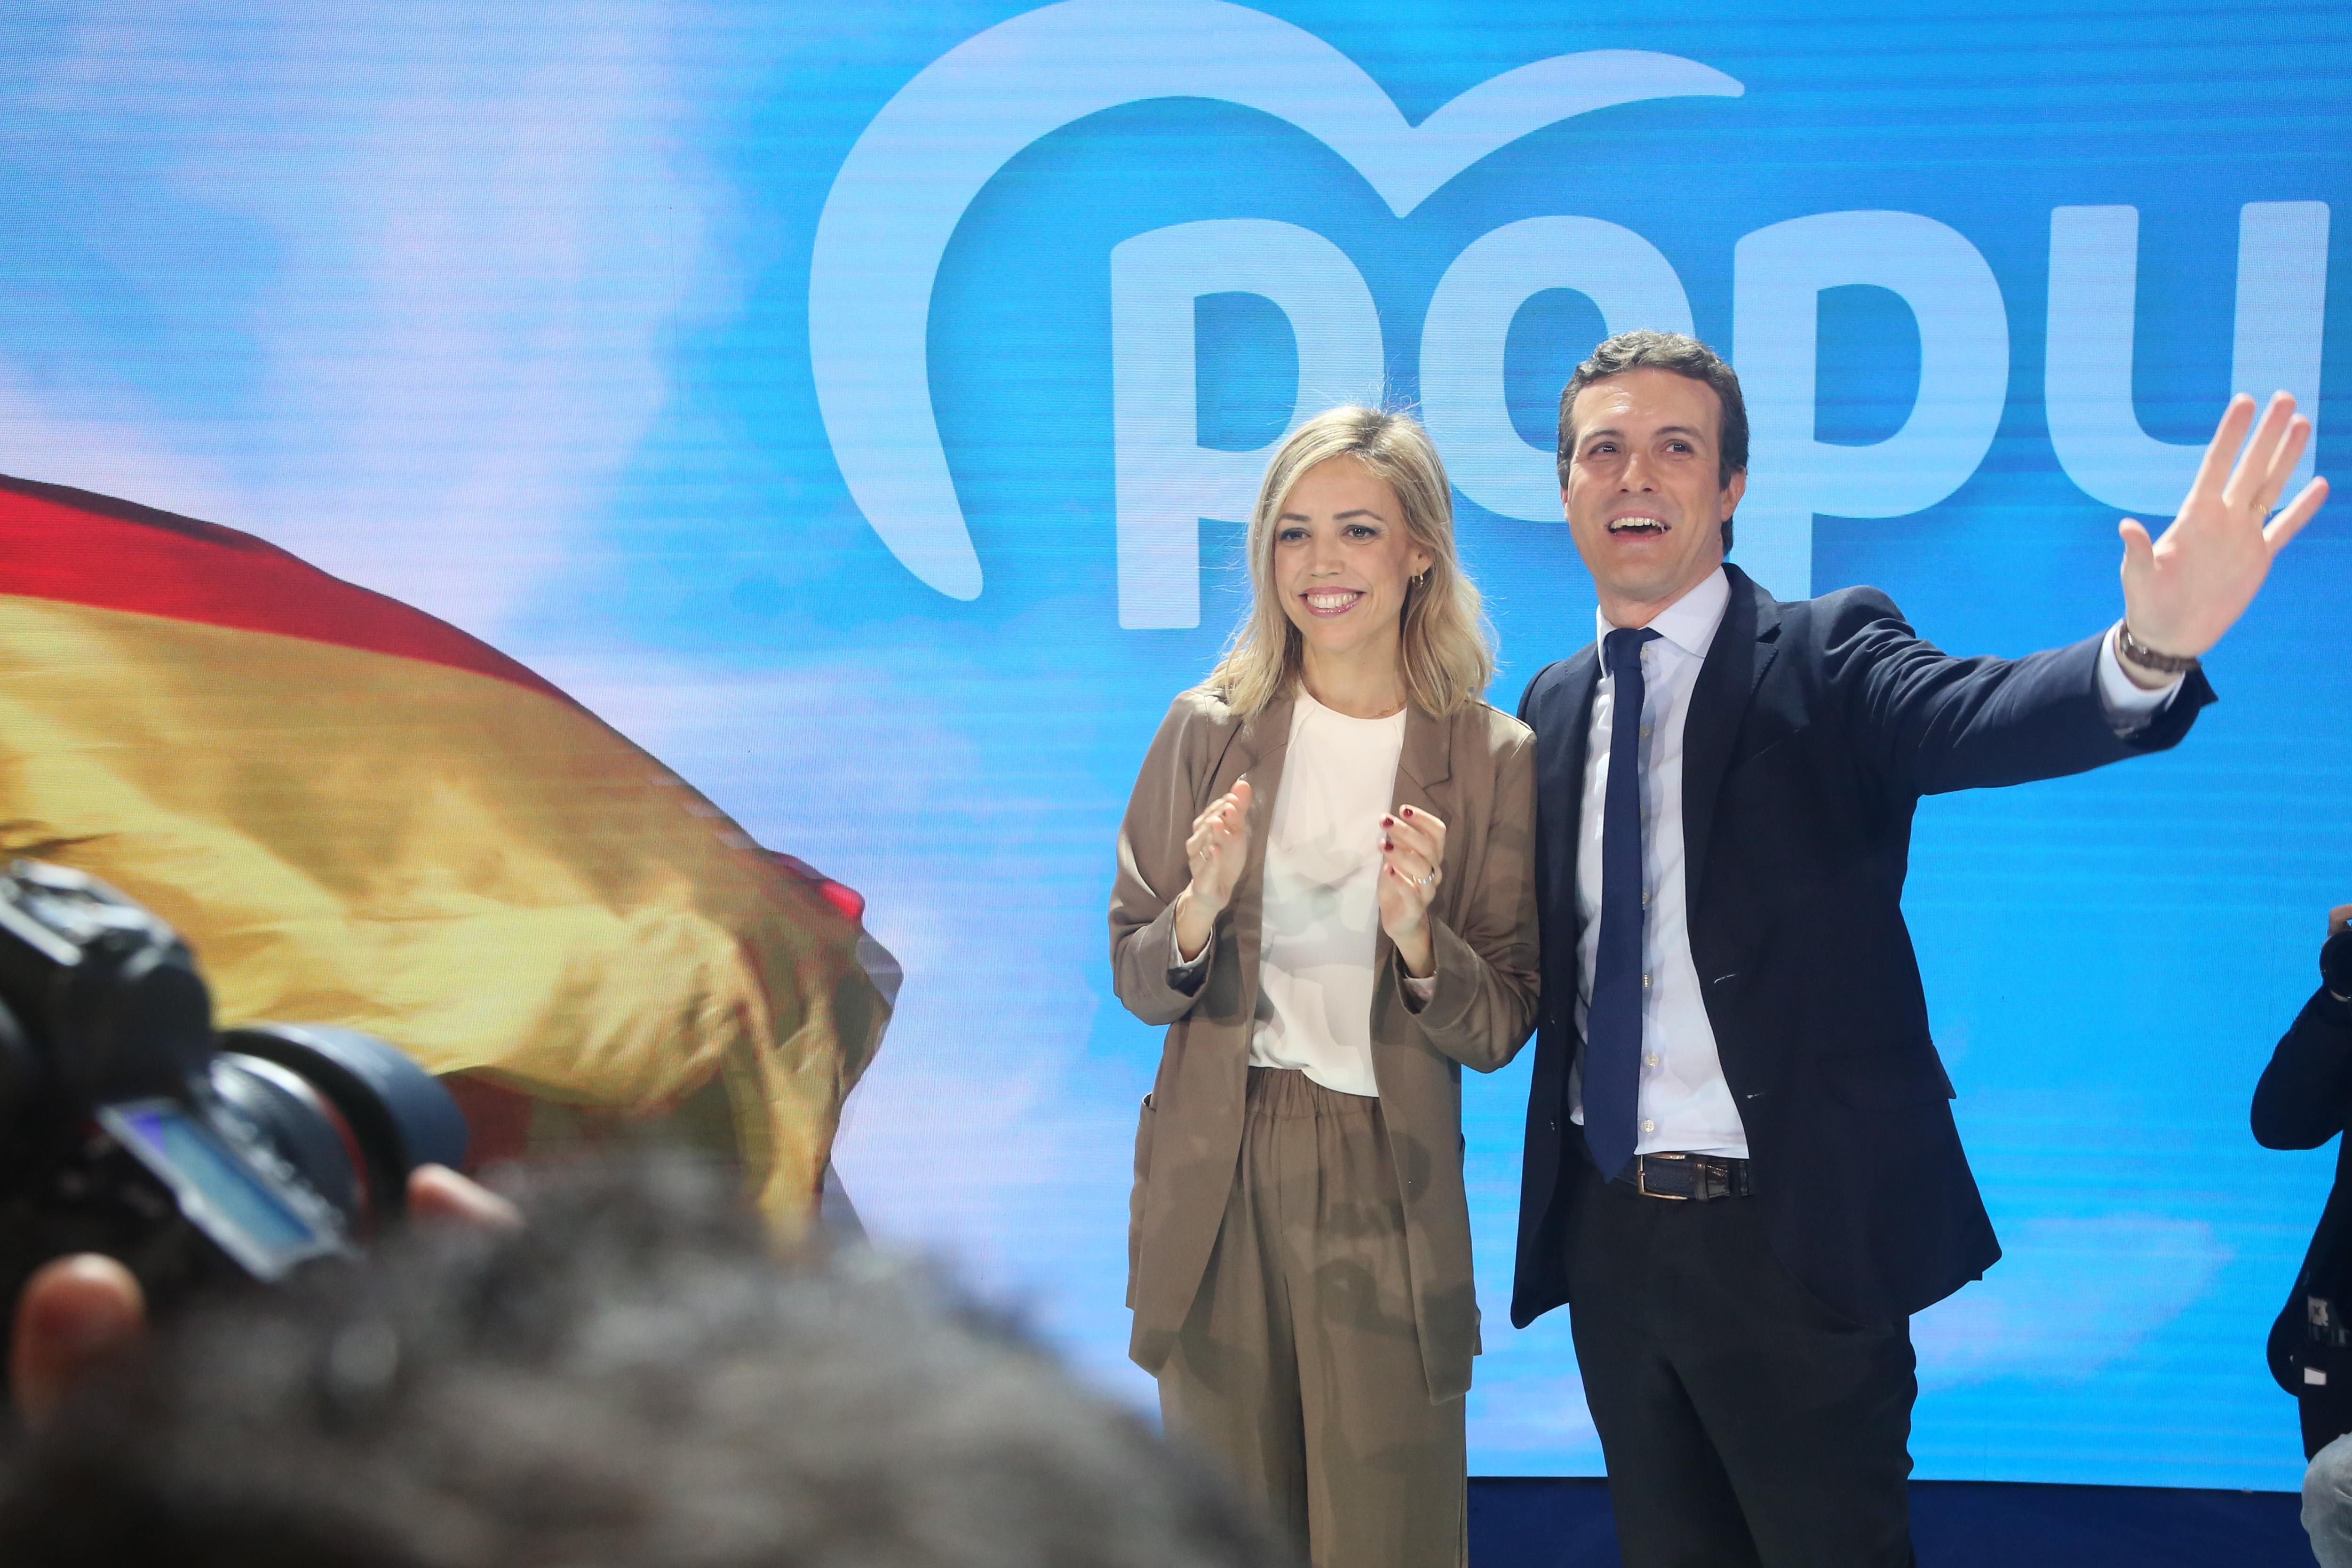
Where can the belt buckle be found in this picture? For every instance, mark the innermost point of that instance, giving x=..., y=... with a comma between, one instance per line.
x=1641, y=1177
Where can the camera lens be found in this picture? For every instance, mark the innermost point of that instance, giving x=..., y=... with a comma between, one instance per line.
x=2335, y=964
x=351, y=1115
x=20, y=1070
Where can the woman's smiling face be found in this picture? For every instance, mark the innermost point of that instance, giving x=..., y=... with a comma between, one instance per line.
x=1342, y=558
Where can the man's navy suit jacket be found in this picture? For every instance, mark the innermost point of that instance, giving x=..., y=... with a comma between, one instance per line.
x=1813, y=730
x=2305, y=1098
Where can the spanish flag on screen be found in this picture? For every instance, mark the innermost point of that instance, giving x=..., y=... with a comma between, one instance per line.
x=358, y=815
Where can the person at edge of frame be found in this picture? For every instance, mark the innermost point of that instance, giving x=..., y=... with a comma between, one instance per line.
x=1742, y=1173
x=608, y=1363
x=2303, y=1099
x=1325, y=891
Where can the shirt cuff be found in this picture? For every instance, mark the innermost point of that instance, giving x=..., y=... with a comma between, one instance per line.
x=2128, y=703
x=1418, y=990
x=1180, y=964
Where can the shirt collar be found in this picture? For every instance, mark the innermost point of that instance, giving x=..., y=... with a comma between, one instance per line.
x=1690, y=622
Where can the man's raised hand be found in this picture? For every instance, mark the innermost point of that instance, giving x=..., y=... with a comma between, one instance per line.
x=2183, y=591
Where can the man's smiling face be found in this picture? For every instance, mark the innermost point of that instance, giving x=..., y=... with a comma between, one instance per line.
x=1643, y=497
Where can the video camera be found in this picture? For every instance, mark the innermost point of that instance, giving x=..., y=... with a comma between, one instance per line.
x=128, y=1127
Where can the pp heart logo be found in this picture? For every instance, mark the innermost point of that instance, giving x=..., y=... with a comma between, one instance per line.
x=915, y=170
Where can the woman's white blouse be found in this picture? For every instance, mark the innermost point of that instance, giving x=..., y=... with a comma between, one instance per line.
x=1321, y=901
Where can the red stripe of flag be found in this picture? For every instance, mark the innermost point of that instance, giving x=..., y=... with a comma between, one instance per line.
x=86, y=549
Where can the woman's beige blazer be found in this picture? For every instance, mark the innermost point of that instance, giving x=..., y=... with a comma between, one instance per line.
x=1476, y=772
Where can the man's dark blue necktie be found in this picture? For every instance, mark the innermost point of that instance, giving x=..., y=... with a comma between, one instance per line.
x=1612, y=1022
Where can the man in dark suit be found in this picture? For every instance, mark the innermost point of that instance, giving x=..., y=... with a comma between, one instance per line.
x=1742, y=1171
x=2305, y=1098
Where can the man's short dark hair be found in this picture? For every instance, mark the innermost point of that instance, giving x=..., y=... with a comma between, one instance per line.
x=1683, y=355
x=631, y=1380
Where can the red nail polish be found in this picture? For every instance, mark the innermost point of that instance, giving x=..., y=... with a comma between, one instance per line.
x=1407, y=811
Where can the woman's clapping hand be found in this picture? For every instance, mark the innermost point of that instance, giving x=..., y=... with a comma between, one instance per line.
x=1412, y=863
x=1215, y=852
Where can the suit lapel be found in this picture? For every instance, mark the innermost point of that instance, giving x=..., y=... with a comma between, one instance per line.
x=1260, y=751
x=1736, y=662
x=1562, y=726
x=1426, y=761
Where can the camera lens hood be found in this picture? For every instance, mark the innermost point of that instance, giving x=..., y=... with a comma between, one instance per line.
x=399, y=1114
x=2335, y=964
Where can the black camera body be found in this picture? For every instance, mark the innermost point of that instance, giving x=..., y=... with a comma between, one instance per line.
x=128, y=1127
x=2336, y=963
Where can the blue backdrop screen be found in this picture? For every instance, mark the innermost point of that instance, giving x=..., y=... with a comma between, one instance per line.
x=857, y=405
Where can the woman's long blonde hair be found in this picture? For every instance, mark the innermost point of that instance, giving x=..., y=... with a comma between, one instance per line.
x=1446, y=653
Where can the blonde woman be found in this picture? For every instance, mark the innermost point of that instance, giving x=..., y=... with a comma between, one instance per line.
x=1325, y=890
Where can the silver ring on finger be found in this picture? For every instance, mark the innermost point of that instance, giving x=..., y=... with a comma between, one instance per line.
x=1425, y=881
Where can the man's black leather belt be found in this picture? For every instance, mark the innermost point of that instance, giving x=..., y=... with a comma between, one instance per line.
x=1687, y=1177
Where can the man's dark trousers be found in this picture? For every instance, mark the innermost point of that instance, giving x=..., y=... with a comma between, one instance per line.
x=1813, y=730
x=1744, y=1423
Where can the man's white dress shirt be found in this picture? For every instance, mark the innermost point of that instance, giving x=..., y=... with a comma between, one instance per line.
x=1686, y=1105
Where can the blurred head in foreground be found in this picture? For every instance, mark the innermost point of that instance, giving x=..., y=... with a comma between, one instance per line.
x=631, y=1380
